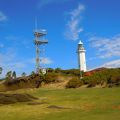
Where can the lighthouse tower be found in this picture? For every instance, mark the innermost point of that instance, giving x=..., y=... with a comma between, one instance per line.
x=81, y=57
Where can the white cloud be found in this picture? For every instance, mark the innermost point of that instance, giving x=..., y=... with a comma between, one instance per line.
x=46, y=2
x=74, y=24
x=109, y=64
x=17, y=65
x=46, y=61
x=13, y=66
x=43, y=60
x=106, y=47
x=8, y=62
x=7, y=57
x=3, y=17
x=112, y=64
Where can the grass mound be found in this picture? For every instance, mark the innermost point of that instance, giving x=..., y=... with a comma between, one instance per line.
x=14, y=98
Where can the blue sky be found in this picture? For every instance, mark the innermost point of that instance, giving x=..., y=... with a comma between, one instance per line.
x=95, y=22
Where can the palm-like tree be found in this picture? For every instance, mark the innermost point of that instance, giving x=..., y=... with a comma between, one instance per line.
x=1, y=70
x=14, y=75
x=9, y=75
x=32, y=73
x=23, y=74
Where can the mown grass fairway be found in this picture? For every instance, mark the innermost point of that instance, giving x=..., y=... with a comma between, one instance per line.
x=76, y=104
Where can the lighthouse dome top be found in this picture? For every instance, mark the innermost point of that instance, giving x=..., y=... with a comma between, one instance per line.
x=80, y=43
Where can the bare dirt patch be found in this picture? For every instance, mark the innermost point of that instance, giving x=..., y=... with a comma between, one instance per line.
x=56, y=107
x=37, y=103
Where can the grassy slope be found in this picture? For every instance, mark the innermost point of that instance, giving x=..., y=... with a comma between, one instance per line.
x=85, y=104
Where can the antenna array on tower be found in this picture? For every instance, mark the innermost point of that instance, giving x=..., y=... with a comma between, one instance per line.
x=39, y=40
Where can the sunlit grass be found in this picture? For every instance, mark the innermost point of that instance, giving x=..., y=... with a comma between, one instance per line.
x=81, y=104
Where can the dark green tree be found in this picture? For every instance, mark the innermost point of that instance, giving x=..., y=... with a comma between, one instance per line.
x=1, y=70
x=9, y=75
x=33, y=74
x=23, y=74
x=14, y=75
x=50, y=70
x=57, y=70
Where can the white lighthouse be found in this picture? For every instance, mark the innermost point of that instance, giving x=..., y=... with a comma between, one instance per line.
x=81, y=57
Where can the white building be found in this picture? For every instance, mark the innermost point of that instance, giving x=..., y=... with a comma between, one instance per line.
x=81, y=57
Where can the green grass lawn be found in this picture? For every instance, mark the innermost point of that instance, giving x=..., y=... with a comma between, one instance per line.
x=79, y=104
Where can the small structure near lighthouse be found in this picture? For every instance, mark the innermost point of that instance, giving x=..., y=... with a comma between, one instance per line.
x=81, y=57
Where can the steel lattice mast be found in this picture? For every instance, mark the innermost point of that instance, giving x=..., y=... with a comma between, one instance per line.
x=39, y=34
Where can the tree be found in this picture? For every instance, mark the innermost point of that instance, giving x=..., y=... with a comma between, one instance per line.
x=1, y=70
x=33, y=74
x=50, y=70
x=14, y=75
x=23, y=74
x=9, y=75
x=57, y=70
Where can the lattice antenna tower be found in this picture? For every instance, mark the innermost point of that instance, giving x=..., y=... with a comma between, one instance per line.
x=39, y=41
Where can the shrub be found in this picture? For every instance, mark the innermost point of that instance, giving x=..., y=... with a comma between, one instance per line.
x=74, y=83
x=51, y=78
x=114, y=81
x=74, y=72
x=57, y=70
x=92, y=83
x=86, y=80
x=50, y=70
